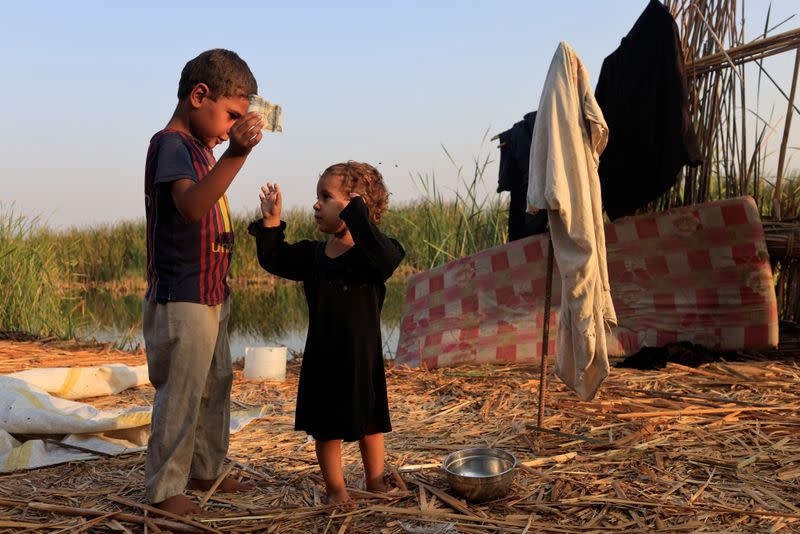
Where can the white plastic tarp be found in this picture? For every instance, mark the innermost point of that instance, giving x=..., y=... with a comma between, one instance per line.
x=27, y=409
x=84, y=382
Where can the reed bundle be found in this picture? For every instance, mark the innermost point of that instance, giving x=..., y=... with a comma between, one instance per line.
x=783, y=244
x=752, y=51
x=783, y=239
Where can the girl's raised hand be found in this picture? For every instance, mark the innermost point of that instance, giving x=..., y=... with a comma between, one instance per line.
x=271, y=204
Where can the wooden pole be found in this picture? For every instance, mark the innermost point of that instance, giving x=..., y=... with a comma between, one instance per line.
x=548, y=290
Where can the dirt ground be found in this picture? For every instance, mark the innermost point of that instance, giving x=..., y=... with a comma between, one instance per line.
x=709, y=449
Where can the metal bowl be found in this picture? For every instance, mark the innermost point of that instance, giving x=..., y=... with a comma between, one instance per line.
x=480, y=474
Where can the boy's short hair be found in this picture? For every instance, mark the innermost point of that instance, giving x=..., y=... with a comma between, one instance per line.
x=366, y=180
x=223, y=71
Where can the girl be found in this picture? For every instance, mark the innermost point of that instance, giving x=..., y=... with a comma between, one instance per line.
x=342, y=389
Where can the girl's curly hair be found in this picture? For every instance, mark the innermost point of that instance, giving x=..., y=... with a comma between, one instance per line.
x=366, y=180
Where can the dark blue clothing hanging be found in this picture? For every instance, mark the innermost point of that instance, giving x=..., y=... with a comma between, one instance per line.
x=515, y=148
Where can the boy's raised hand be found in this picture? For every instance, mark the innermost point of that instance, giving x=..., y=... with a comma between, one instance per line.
x=271, y=204
x=245, y=133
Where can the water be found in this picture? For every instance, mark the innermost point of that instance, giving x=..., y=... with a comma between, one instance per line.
x=259, y=317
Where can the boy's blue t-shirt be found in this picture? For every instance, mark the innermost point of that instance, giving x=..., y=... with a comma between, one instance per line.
x=186, y=262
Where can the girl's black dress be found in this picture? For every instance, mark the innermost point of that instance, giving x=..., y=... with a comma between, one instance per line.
x=342, y=389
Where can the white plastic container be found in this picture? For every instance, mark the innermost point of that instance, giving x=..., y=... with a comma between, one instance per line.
x=265, y=363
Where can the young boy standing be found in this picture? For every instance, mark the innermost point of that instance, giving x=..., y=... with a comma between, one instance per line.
x=187, y=305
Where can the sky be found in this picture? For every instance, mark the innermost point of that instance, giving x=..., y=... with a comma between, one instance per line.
x=86, y=84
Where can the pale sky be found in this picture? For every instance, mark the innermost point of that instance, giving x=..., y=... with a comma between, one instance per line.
x=86, y=84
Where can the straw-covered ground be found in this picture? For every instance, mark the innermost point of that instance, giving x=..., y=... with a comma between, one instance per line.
x=714, y=448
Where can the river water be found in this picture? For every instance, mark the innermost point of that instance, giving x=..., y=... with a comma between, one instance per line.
x=259, y=317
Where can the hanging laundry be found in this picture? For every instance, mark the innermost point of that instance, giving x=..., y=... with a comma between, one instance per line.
x=515, y=148
x=642, y=92
x=569, y=135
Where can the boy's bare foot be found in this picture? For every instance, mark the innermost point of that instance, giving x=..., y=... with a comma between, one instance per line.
x=228, y=485
x=179, y=505
x=341, y=498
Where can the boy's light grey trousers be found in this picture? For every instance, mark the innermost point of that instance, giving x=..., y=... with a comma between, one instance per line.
x=189, y=363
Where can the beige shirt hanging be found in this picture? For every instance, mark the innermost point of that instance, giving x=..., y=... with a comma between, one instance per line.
x=568, y=138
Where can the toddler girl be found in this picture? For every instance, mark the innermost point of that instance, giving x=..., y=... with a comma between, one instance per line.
x=342, y=389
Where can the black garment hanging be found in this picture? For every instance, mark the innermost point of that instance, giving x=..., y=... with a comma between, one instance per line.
x=642, y=92
x=515, y=148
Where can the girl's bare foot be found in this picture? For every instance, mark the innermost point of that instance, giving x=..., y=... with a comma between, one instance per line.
x=228, y=485
x=341, y=497
x=179, y=505
x=377, y=485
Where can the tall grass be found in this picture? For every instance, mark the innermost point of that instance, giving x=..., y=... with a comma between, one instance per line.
x=108, y=252
x=435, y=230
x=789, y=197
x=244, y=266
x=31, y=277
x=438, y=227
x=38, y=265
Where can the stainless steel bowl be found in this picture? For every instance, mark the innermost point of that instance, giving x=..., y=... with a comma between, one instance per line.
x=480, y=474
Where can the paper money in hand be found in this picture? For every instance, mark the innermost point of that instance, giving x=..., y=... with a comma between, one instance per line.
x=270, y=113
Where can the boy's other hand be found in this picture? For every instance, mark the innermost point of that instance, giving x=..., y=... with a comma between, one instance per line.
x=245, y=133
x=271, y=204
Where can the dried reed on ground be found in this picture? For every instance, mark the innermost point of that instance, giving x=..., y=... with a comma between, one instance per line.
x=677, y=450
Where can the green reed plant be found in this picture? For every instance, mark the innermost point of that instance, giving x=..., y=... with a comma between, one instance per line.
x=107, y=252
x=31, y=277
x=439, y=227
x=789, y=197
x=299, y=225
x=436, y=230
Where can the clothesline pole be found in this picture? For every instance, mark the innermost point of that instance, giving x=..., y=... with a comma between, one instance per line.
x=548, y=290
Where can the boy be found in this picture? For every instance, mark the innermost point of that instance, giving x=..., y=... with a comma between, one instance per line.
x=186, y=307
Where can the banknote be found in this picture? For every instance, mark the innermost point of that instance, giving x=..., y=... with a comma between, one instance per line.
x=271, y=113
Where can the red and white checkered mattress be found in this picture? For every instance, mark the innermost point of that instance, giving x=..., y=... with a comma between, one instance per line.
x=699, y=273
